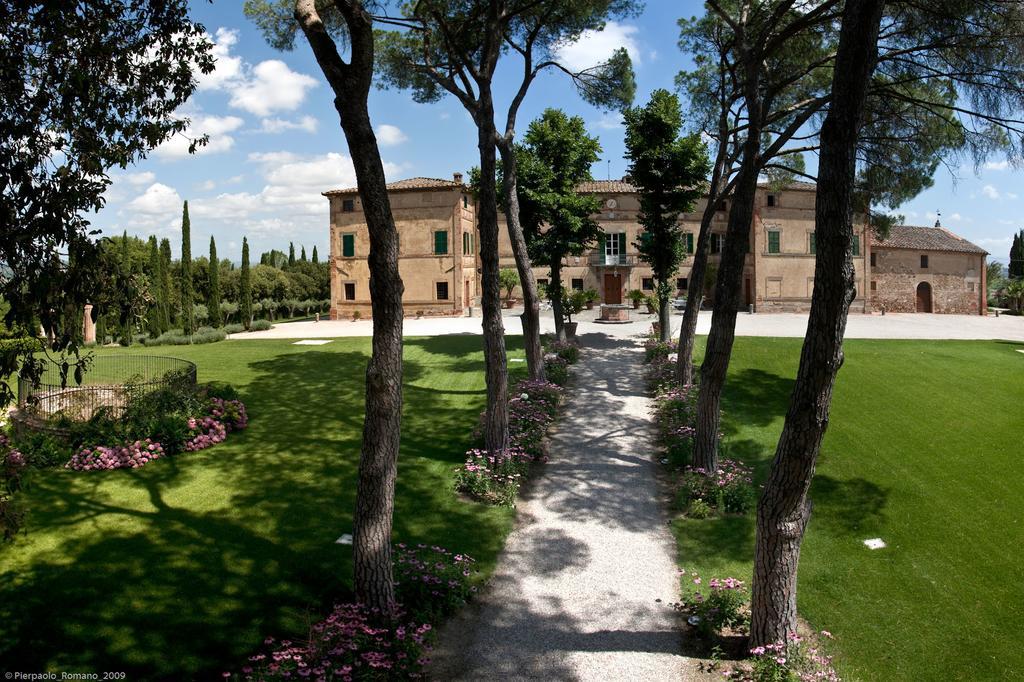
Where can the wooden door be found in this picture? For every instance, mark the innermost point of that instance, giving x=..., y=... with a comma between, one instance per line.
x=612, y=288
x=924, y=297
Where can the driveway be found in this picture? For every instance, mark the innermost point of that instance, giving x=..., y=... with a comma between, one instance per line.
x=859, y=326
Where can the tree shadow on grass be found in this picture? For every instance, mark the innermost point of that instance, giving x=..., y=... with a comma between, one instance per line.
x=756, y=396
x=179, y=569
x=842, y=507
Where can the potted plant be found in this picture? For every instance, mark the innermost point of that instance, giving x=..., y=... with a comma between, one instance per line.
x=591, y=297
x=652, y=304
x=572, y=304
x=508, y=279
x=637, y=297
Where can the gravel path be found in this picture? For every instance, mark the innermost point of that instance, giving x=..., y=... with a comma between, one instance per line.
x=583, y=587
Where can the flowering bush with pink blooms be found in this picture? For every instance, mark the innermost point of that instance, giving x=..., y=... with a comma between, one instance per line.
x=675, y=413
x=567, y=350
x=656, y=350
x=12, y=464
x=793, y=660
x=493, y=478
x=432, y=582
x=128, y=456
x=729, y=488
x=717, y=608
x=353, y=643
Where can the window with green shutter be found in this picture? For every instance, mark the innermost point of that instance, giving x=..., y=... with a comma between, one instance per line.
x=689, y=242
x=856, y=245
x=348, y=245
x=441, y=243
x=813, y=245
x=622, y=244
x=467, y=249
x=773, y=241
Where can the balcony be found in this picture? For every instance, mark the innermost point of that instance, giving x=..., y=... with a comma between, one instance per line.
x=601, y=260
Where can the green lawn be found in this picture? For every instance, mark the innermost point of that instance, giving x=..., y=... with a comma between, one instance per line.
x=924, y=451
x=179, y=569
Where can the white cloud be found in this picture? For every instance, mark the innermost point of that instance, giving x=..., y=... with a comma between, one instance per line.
x=990, y=192
x=158, y=199
x=270, y=86
x=208, y=185
x=389, y=135
x=997, y=165
x=227, y=67
x=1011, y=195
x=217, y=127
x=143, y=178
x=280, y=125
x=609, y=121
x=269, y=158
x=595, y=47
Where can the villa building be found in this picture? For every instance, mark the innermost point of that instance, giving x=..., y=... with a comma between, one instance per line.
x=923, y=269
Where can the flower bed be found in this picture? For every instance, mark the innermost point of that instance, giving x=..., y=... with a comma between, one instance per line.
x=495, y=478
x=794, y=660
x=358, y=643
x=728, y=489
x=720, y=607
x=675, y=412
x=206, y=431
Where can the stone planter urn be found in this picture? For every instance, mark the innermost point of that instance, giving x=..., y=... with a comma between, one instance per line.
x=636, y=305
x=590, y=305
x=651, y=309
x=507, y=303
x=570, y=329
x=656, y=328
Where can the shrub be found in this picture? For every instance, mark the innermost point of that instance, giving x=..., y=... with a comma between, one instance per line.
x=719, y=608
x=675, y=412
x=793, y=660
x=494, y=479
x=218, y=389
x=131, y=455
x=556, y=369
x=234, y=328
x=42, y=450
x=660, y=375
x=698, y=509
x=566, y=350
x=11, y=517
x=176, y=337
x=353, y=643
x=728, y=489
x=431, y=583
x=657, y=350
x=260, y=325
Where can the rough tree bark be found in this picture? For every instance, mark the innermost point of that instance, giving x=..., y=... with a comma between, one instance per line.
x=664, y=314
x=496, y=421
x=727, y=288
x=531, y=304
x=784, y=509
x=378, y=461
x=695, y=285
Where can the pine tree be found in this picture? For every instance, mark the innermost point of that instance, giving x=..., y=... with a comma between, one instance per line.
x=188, y=321
x=214, y=301
x=316, y=259
x=165, y=284
x=155, y=312
x=291, y=254
x=303, y=256
x=244, y=290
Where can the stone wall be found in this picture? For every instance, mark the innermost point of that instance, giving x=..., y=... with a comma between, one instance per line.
x=955, y=280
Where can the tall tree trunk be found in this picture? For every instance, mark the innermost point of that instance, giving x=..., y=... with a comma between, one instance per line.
x=664, y=313
x=496, y=370
x=784, y=510
x=531, y=304
x=378, y=461
x=723, y=320
x=695, y=284
x=555, y=285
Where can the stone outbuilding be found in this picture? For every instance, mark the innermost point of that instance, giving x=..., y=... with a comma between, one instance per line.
x=927, y=270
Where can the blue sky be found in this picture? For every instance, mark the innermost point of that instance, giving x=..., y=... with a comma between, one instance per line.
x=275, y=143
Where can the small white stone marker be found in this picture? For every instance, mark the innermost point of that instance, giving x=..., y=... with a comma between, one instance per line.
x=524, y=360
x=1020, y=350
x=875, y=543
x=345, y=539
x=311, y=342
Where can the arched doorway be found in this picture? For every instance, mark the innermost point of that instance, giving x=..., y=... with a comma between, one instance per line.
x=924, y=297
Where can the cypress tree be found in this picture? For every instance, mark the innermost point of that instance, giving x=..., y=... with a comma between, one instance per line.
x=1016, y=269
x=245, y=292
x=188, y=321
x=165, y=284
x=264, y=258
x=303, y=256
x=316, y=259
x=291, y=254
x=125, y=291
x=155, y=313
x=214, y=301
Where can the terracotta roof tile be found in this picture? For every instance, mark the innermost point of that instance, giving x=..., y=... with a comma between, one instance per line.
x=407, y=184
x=925, y=239
x=606, y=187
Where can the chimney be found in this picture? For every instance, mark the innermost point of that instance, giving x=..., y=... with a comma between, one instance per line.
x=457, y=177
